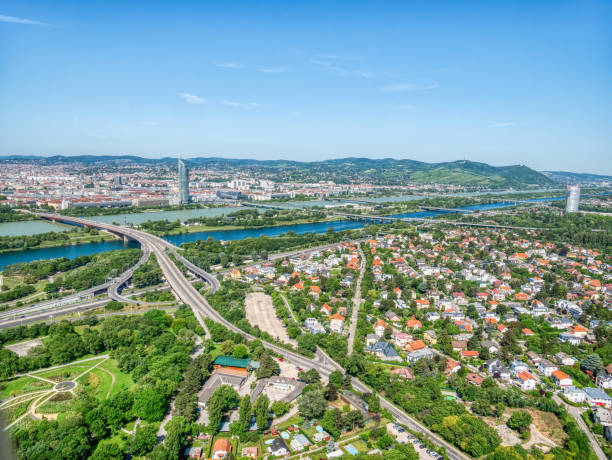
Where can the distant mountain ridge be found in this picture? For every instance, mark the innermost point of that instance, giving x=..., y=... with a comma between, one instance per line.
x=386, y=171
x=577, y=178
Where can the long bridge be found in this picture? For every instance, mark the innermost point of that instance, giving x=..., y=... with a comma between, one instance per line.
x=190, y=296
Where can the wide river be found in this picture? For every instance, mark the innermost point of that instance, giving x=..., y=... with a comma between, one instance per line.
x=71, y=252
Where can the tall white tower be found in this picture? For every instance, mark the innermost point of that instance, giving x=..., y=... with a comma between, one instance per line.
x=573, y=199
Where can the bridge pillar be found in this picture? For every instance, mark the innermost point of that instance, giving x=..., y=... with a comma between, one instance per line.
x=125, y=239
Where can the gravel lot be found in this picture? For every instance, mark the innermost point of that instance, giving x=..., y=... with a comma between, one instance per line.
x=260, y=312
x=22, y=348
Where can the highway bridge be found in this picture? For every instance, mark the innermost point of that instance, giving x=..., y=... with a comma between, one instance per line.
x=192, y=297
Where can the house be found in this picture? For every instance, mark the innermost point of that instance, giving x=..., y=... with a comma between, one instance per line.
x=432, y=316
x=193, y=452
x=385, y=351
x=326, y=309
x=491, y=346
x=469, y=354
x=379, y=328
x=250, y=452
x=497, y=369
x=336, y=323
x=602, y=416
x=575, y=395
x=459, y=345
x=403, y=372
x=572, y=339
x=313, y=326
x=299, y=442
x=416, y=345
x=401, y=338
x=525, y=381
x=516, y=367
x=371, y=339
x=546, y=367
x=320, y=436
x=603, y=381
x=413, y=324
x=528, y=332
x=578, y=331
x=424, y=353
x=430, y=337
x=452, y=366
x=278, y=448
x=474, y=379
x=564, y=359
x=561, y=378
x=597, y=397
x=221, y=449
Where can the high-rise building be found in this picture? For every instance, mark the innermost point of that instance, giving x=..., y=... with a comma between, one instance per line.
x=573, y=199
x=183, y=182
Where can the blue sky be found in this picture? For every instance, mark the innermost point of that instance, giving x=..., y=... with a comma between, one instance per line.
x=499, y=82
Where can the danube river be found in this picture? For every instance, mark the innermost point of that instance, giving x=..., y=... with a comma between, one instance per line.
x=71, y=252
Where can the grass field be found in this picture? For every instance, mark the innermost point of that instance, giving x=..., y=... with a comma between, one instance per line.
x=122, y=381
x=21, y=385
x=97, y=381
x=10, y=414
x=67, y=372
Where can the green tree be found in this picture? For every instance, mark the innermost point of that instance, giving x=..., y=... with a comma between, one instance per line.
x=149, y=404
x=519, y=420
x=312, y=405
x=244, y=414
x=262, y=404
x=144, y=440
x=592, y=362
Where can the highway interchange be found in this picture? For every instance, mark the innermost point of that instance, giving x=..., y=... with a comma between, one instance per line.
x=189, y=295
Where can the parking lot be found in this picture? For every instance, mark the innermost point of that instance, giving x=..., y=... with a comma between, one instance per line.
x=405, y=437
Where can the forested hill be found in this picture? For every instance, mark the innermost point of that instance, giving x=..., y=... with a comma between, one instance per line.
x=385, y=171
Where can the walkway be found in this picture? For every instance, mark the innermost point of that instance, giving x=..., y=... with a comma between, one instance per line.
x=356, y=302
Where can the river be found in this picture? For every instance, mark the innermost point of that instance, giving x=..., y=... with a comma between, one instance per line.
x=320, y=227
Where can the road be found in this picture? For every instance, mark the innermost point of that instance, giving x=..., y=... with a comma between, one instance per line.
x=576, y=413
x=356, y=302
x=192, y=297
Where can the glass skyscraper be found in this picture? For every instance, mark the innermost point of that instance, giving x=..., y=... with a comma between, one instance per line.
x=573, y=199
x=183, y=182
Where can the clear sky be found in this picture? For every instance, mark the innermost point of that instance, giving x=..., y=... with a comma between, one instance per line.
x=503, y=82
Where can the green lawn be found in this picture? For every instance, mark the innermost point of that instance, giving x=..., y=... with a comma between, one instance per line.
x=97, y=381
x=122, y=381
x=21, y=385
x=67, y=372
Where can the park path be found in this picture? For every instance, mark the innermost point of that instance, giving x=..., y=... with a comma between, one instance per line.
x=356, y=302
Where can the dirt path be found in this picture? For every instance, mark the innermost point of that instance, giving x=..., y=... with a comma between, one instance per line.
x=260, y=312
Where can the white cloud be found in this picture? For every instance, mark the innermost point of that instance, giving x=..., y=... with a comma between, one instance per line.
x=240, y=105
x=229, y=65
x=398, y=87
x=273, y=69
x=504, y=124
x=150, y=123
x=295, y=114
x=192, y=98
x=15, y=20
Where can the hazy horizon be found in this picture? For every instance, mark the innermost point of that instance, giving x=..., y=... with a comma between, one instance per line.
x=502, y=84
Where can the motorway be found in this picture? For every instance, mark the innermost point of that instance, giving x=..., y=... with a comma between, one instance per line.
x=192, y=297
